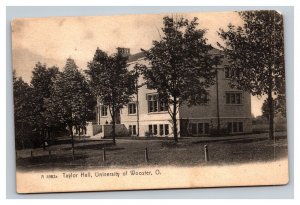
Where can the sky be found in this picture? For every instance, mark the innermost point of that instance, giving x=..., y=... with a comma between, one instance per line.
x=53, y=40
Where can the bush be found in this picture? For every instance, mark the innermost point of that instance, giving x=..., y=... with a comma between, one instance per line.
x=214, y=132
x=148, y=134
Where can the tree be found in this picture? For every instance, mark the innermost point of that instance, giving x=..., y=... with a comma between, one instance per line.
x=279, y=106
x=112, y=82
x=256, y=52
x=23, y=106
x=72, y=101
x=42, y=82
x=181, y=68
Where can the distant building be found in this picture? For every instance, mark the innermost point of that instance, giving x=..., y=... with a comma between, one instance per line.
x=147, y=116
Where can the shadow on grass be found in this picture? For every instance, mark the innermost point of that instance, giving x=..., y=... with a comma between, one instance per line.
x=108, y=146
x=244, y=141
x=46, y=161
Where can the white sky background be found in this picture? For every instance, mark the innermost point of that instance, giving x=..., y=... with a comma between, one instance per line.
x=53, y=40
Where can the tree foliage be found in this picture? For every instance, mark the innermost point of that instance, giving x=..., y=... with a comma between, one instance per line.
x=279, y=105
x=72, y=101
x=42, y=83
x=23, y=105
x=181, y=68
x=111, y=81
x=256, y=52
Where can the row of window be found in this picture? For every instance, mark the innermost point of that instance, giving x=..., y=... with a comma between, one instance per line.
x=153, y=129
x=234, y=127
x=163, y=129
x=199, y=128
x=154, y=105
x=233, y=98
x=203, y=128
x=194, y=128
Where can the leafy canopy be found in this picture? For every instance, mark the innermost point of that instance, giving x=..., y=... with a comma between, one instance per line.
x=181, y=68
x=72, y=101
x=110, y=79
x=256, y=51
x=42, y=83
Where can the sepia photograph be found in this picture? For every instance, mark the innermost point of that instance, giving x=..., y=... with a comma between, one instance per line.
x=149, y=101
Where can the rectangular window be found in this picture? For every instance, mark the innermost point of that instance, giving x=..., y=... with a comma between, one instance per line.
x=241, y=128
x=155, y=105
x=227, y=98
x=154, y=129
x=103, y=110
x=229, y=127
x=235, y=127
x=233, y=98
x=193, y=128
x=206, y=128
x=200, y=128
x=161, y=130
x=150, y=129
x=131, y=108
x=227, y=73
x=230, y=73
x=132, y=129
x=152, y=103
x=238, y=98
x=166, y=129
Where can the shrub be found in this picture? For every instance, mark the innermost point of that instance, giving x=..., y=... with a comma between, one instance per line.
x=148, y=134
x=214, y=132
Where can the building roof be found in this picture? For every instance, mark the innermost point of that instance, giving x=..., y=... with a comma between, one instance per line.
x=135, y=57
x=140, y=55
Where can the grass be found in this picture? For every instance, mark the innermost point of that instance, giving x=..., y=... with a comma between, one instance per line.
x=126, y=153
x=263, y=128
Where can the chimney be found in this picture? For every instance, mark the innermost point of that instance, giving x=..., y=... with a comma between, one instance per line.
x=124, y=51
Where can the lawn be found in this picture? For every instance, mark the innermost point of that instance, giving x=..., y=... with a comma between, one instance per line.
x=263, y=128
x=128, y=152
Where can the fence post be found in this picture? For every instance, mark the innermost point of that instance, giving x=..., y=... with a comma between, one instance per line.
x=146, y=155
x=31, y=153
x=206, y=157
x=49, y=154
x=104, y=155
x=73, y=154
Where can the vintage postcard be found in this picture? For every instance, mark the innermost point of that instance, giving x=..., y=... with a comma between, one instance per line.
x=130, y=102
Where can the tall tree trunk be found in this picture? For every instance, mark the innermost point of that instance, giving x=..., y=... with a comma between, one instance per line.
x=137, y=111
x=43, y=136
x=218, y=109
x=271, y=104
x=271, y=114
x=114, y=124
x=175, y=120
x=72, y=140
